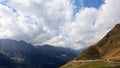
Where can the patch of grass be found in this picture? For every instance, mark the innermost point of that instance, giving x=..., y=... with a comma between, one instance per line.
x=68, y=65
x=88, y=65
x=94, y=65
x=90, y=53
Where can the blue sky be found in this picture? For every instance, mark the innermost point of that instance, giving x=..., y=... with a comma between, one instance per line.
x=93, y=3
x=87, y=3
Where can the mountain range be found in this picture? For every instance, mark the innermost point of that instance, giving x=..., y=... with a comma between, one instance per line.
x=20, y=54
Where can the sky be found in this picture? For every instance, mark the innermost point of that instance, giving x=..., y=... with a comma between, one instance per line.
x=67, y=23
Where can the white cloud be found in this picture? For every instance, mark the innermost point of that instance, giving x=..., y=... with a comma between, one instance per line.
x=109, y=14
x=37, y=21
x=53, y=12
x=81, y=29
x=91, y=24
x=17, y=27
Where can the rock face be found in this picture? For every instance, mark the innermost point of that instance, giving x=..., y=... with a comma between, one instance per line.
x=106, y=48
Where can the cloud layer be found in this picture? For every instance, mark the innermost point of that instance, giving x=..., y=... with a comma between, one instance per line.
x=55, y=22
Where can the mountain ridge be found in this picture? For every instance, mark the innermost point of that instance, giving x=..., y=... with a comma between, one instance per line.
x=108, y=48
x=24, y=54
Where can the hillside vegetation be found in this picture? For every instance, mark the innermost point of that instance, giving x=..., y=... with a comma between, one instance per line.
x=107, y=48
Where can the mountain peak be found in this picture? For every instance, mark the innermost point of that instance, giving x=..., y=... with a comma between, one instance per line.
x=115, y=31
x=118, y=25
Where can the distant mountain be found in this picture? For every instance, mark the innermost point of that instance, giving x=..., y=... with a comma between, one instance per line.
x=57, y=52
x=51, y=57
x=16, y=49
x=26, y=55
x=107, y=48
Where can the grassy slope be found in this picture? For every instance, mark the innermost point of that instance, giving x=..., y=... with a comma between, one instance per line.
x=108, y=47
x=87, y=65
x=90, y=53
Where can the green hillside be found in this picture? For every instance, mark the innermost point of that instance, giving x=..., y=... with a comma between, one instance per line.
x=107, y=50
x=90, y=53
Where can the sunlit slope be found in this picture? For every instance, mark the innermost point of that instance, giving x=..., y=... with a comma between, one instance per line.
x=90, y=53
x=106, y=48
x=109, y=46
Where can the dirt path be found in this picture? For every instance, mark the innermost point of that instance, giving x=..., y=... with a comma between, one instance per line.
x=105, y=60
